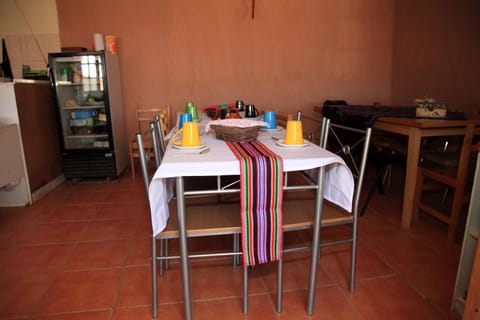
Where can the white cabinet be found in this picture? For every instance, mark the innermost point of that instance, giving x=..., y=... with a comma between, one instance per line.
x=14, y=187
x=470, y=242
x=30, y=162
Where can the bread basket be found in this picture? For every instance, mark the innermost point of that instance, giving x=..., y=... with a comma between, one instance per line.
x=236, y=130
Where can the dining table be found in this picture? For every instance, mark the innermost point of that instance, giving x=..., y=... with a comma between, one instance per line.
x=403, y=121
x=335, y=183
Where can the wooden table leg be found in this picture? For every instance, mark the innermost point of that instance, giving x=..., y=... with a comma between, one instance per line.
x=414, y=139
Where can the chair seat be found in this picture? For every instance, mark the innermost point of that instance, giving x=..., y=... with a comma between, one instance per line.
x=206, y=217
x=298, y=212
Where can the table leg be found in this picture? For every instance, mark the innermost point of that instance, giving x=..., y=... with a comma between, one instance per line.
x=187, y=298
x=316, y=241
x=414, y=139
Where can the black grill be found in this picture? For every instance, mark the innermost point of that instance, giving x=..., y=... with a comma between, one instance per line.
x=88, y=165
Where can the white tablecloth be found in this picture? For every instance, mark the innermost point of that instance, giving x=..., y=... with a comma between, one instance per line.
x=221, y=161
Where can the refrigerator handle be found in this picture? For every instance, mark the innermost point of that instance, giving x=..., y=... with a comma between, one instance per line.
x=52, y=82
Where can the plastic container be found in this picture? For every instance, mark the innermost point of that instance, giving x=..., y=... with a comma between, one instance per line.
x=111, y=44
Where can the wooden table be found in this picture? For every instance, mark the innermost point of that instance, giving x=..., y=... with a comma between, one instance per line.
x=415, y=130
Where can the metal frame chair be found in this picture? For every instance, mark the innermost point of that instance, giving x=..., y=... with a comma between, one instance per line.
x=207, y=217
x=298, y=209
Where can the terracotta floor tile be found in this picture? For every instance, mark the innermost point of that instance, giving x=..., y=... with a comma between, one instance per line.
x=94, y=315
x=403, y=254
x=81, y=212
x=388, y=206
x=57, y=196
x=144, y=226
x=218, y=279
x=20, y=294
x=6, y=235
x=49, y=233
x=21, y=216
x=391, y=298
x=374, y=226
x=99, y=254
x=259, y=307
x=333, y=233
x=35, y=259
x=207, y=244
x=89, y=196
x=135, y=290
x=81, y=291
x=111, y=229
x=436, y=284
x=122, y=211
x=168, y=311
x=140, y=252
x=330, y=303
x=296, y=273
x=439, y=243
x=134, y=195
x=336, y=260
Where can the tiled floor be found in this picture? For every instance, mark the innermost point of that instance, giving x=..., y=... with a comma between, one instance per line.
x=82, y=252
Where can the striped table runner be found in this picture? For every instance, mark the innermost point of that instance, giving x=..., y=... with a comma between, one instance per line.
x=261, y=196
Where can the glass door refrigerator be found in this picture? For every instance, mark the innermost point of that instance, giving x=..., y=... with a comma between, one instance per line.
x=87, y=89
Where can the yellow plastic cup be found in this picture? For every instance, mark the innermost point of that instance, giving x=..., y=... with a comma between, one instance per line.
x=190, y=135
x=294, y=132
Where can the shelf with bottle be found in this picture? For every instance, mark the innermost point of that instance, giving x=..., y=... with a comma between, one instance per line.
x=85, y=107
x=87, y=141
x=81, y=102
x=87, y=135
x=67, y=83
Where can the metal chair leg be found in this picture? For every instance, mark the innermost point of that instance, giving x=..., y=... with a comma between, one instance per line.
x=166, y=253
x=161, y=256
x=236, y=249
x=279, y=285
x=154, y=278
x=245, y=289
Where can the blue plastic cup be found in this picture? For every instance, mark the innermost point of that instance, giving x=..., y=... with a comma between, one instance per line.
x=184, y=117
x=270, y=117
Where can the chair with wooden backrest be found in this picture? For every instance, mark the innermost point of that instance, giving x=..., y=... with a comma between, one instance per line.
x=352, y=144
x=144, y=117
x=441, y=171
x=206, y=217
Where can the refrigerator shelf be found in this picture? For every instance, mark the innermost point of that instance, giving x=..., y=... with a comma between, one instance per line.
x=84, y=106
x=83, y=136
x=68, y=83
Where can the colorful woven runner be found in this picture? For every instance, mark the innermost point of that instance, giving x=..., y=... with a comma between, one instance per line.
x=261, y=196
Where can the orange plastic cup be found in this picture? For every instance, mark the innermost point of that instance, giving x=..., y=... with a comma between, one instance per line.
x=294, y=132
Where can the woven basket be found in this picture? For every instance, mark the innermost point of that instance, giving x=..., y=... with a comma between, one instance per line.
x=236, y=134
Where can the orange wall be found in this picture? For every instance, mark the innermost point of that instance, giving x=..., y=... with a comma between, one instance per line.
x=291, y=56
x=437, y=52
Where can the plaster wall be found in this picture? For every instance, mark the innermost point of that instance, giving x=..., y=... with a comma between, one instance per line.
x=291, y=55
